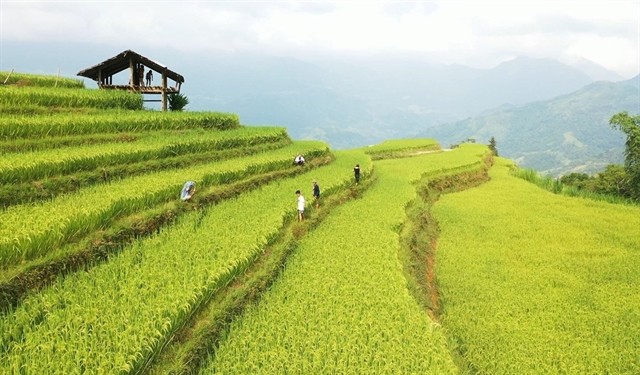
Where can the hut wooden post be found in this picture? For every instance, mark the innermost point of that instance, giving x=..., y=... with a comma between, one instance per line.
x=132, y=72
x=164, y=91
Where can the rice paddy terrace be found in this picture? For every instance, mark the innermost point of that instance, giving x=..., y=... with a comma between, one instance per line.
x=436, y=262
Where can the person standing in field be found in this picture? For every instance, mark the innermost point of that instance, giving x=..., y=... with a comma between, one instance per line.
x=300, y=205
x=149, y=77
x=356, y=173
x=316, y=193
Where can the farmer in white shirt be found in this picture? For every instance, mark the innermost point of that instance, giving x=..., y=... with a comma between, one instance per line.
x=301, y=203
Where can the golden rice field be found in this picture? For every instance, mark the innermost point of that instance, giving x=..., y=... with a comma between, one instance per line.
x=107, y=271
x=342, y=305
x=533, y=282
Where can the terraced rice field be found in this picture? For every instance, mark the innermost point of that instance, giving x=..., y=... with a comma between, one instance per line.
x=104, y=270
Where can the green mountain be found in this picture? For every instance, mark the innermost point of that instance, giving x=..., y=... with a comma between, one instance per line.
x=570, y=133
x=346, y=101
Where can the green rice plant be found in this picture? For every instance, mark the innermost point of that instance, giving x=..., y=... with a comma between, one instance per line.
x=39, y=110
x=39, y=80
x=22, y=167
x=532, y=282
x=32, y=191
x=32, y=230
x=116, y=316
x=38, y=144
x=403, y=145
x=342, y=306
x=15, y=97
x=17, y=127
x=400, y=148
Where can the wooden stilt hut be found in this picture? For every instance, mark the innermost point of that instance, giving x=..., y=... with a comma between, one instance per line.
x=138, y=66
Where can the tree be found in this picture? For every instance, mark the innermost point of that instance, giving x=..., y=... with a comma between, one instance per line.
x=177, y=101
x=613, y=180
x=492, y=146
x=578, y=180
x=630, y=126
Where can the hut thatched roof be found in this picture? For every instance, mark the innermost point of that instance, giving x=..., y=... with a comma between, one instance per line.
x=122, y=62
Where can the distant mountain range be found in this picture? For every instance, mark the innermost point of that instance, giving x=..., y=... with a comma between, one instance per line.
x=357, y=102
x=545, y=114
x=570, y=133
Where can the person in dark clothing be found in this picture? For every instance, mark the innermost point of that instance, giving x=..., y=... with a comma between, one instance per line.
x=356, y=173
x=149, y=77
x=316, y=193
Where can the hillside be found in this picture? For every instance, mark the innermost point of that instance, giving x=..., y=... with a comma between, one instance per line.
x=356, y=102
x=537, y=283
x=347, y=102
x=427, y=264
x=570, y=133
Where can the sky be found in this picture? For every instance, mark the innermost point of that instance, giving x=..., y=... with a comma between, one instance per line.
x=478, y=33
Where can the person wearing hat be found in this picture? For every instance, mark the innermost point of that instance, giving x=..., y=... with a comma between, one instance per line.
x=316, y=193
x=300, y=205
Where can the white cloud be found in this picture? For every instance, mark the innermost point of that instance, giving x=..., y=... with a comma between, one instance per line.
x=477, y=33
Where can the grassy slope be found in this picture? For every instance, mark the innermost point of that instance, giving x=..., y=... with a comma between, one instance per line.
x=191, y=346
x=141, y=295
x=342, y=304
x=531, y=283
x=534, y=283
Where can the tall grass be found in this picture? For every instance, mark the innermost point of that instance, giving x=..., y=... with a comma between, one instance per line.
x=555, y=186
x=398, y=148
x=38, y=80
x=16, y=127
x=15, y=97
x=22, y=167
